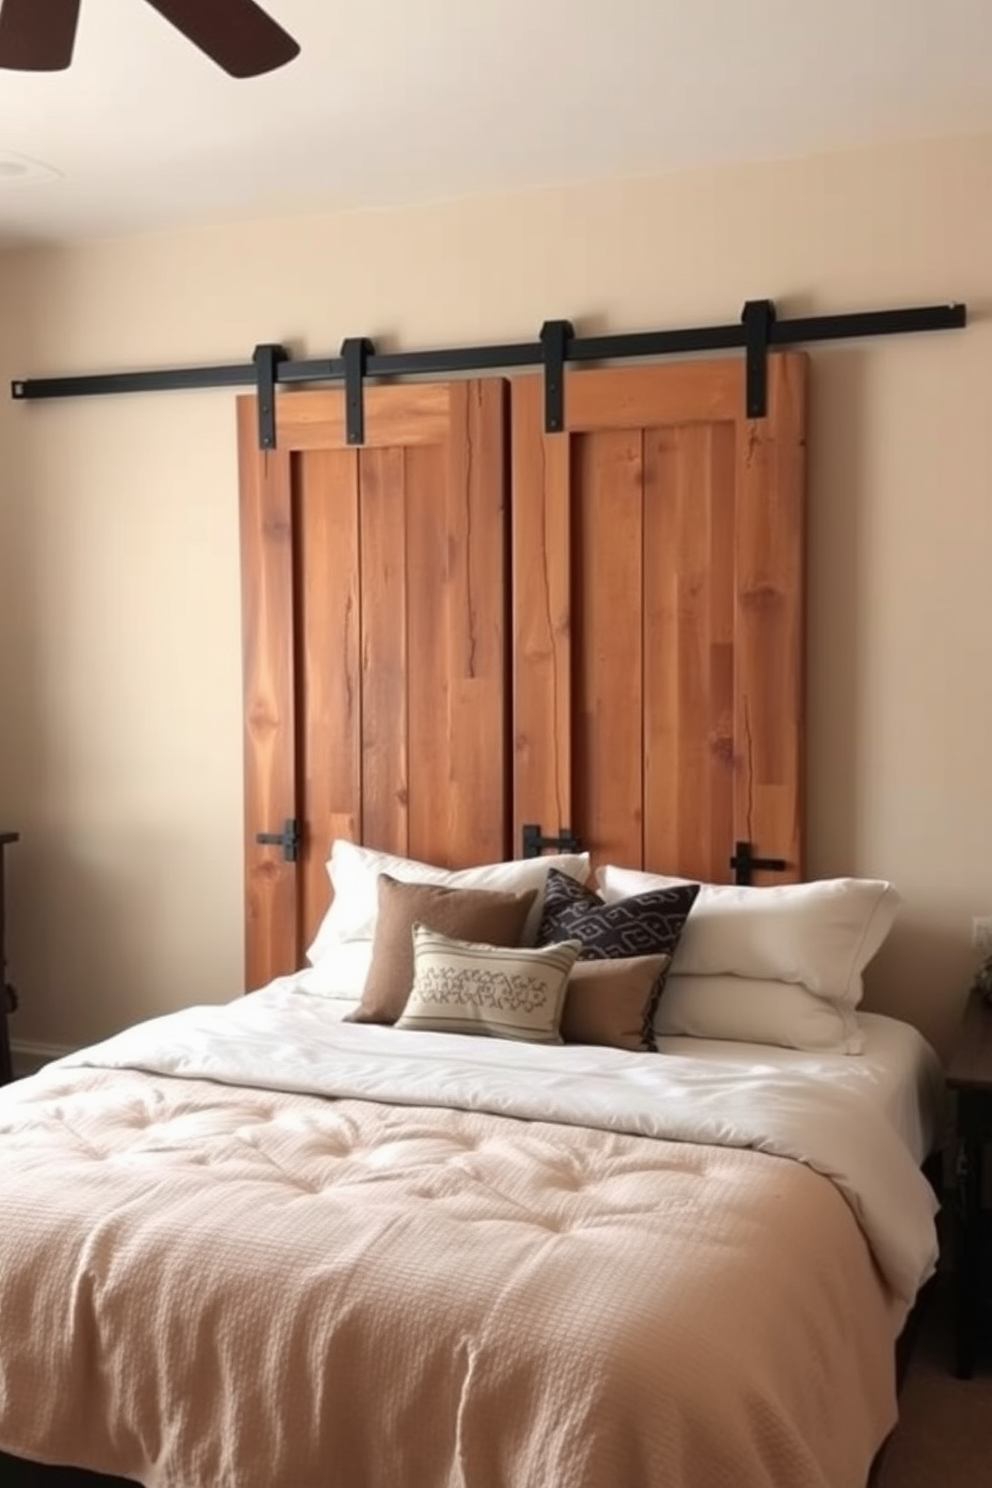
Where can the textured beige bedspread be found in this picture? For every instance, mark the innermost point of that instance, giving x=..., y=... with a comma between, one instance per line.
x=213, y=1287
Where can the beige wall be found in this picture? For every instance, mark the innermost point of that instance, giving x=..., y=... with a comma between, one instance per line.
x=120, y=747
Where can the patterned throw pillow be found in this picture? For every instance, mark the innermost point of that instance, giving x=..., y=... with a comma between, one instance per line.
x=642, y=925
x=502, y=992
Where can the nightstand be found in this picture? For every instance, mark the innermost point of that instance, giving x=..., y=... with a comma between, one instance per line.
x=969, y=1075
x=6, y=997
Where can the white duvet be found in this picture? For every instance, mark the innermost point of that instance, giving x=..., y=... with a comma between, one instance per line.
x=279, y=1039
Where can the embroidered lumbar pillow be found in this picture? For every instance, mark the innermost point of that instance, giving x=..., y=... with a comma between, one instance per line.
x=513, y=992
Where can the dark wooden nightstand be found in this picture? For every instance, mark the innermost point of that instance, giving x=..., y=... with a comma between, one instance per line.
x=969, y=1074
x=6, y=997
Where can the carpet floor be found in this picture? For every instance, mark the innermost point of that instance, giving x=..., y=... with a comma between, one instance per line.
x=944, y=1436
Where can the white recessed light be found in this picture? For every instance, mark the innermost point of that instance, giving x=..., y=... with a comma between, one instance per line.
x=21, y=170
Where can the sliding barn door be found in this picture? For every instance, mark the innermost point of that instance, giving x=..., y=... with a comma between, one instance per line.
x=658, y=616
x=375, y=614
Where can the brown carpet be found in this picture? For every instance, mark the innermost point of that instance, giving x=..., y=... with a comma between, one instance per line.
x=944, y=1437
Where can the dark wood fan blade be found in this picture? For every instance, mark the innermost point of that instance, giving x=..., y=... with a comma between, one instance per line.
x=38, y=35
x=236, y=34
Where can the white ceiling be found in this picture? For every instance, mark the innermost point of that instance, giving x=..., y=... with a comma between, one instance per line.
x=397, y=101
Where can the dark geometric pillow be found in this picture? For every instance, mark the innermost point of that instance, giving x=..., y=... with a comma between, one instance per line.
x=642, y=925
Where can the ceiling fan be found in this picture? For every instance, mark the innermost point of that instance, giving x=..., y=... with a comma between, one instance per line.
x=39, y=35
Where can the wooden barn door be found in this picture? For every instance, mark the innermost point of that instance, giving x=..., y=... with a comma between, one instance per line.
x=658, y=616
x=375, y=616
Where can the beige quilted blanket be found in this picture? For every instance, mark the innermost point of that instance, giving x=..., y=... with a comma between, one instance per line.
x=205, y=1286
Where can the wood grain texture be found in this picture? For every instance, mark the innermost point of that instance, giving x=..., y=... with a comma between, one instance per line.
x=608, y=616
x=384, y=584
x=266, y=519
x=770, y=621
x=382, y=631
x=395, y=416
x=477, y=789
x=428, y=684
x=689, y=663
x=668, y=393
x=658, y=604
x=328, y=699
x=541, y=585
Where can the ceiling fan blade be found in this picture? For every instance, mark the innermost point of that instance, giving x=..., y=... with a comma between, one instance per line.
x=38, y=35
x=236, y=34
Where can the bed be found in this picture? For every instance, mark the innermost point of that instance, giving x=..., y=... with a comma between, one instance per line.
x=267, y=1245
x=259, y=1244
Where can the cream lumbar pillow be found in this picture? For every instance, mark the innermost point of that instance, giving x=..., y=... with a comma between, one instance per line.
x=514, y=992
x=821, y=934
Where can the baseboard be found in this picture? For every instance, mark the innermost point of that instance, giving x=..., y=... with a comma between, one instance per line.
x=28, y=1058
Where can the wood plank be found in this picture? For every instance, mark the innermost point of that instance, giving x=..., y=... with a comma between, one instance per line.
x=722, y=503
x=477, y=519
x=689, y=673
x=271, y=925
x=385, y=654
x=693, y=516
x=328, y=698
x=396, y=416
x=650, y=397
x=541, y=598
x=429, y=682
x=770, y=639
x=663, y=804
x=608, y=545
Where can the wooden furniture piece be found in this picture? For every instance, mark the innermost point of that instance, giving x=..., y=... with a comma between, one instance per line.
x=6, y=994
x=469, y=626
x=969, y=1075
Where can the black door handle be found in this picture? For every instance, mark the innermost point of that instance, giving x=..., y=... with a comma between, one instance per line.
x=288, y=839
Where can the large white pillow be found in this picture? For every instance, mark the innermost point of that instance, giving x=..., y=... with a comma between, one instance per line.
x=820, y=934
x=341, y=973
x=354, y=872
x=757, y=1012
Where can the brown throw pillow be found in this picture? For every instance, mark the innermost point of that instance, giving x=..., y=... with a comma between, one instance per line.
x=463, y=914
x=614, y=1002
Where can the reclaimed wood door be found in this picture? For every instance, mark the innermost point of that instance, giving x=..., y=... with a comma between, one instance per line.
x=375, y=625
x=658, y=615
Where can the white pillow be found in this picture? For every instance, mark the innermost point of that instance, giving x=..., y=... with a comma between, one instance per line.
x=757, y=1012
x=354, y=873
x=821, y=934
x=340, y=973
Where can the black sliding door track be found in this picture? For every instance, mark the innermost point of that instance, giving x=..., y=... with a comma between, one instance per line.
x=758, y=331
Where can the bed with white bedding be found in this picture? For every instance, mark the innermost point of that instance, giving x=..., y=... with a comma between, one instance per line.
x=258, y=1246
x=255, y=1246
